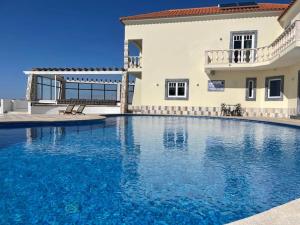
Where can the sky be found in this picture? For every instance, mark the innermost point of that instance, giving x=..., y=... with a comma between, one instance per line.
x=68, y=33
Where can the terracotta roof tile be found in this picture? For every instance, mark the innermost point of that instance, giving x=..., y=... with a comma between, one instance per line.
x=208, y=11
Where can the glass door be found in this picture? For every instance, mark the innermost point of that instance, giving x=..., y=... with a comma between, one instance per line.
x=243, y=45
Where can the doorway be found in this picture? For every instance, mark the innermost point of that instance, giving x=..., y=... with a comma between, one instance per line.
x=243, y=45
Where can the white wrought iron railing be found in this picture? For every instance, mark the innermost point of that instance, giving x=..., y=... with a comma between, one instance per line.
x=256, y=55
x=135, y=62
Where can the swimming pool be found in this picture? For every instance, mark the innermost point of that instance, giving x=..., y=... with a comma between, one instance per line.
x=147, y=170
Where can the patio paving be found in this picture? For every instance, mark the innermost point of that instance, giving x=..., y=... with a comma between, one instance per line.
x=287, y=214
x=26, y=118
x=282, y=121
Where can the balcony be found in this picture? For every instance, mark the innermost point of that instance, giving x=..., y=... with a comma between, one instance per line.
x=135, y=63
x=283, y=51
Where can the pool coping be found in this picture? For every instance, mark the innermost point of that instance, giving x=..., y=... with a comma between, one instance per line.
x=84, y=120
x=287, y=213
x=49, y=121
x=275, y=121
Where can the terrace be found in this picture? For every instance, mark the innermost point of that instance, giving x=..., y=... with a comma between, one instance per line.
x=283, y=51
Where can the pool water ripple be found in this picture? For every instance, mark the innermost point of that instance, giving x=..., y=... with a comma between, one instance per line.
x=147, y=170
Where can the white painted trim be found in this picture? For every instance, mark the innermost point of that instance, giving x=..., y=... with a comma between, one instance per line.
x=96, y=82
x=47, y=101
x=55, y=88
x=53, y=73
x=252, y=86
x=176, y=90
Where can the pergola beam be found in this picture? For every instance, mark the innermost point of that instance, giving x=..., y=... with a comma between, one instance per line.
x=53, y=73
x=57, y=72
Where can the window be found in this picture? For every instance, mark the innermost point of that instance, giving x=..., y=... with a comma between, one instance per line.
x=243, y=44
x=177, y=89
x=274, y=88
x=46, y=88
x=91, y=91
x=250, y=89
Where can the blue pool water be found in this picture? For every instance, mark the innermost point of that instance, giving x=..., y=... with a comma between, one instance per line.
x=147, y=170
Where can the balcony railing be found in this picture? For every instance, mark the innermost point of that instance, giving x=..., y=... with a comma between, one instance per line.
x=257, y=55
x=135, y=62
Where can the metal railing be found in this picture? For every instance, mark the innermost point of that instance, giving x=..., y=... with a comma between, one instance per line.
x=254, y=55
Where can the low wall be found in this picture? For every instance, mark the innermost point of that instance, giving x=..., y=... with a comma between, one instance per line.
x=19, y=106
x=8, y=105
x=211, y=111
x=54, y=109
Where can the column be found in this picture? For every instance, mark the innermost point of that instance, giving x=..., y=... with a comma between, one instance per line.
x=55, y=89
x=31, y=92
x=63, y=89
x=124, y=88
x=119, y=92
x=124, y=93
x=126, y=55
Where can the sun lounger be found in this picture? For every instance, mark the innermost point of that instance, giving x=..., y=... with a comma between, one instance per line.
x=69, y=109
x=80, y=110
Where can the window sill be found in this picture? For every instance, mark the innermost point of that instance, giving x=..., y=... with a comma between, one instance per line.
x=274, y=99
x=250, y=99
x=176, y=98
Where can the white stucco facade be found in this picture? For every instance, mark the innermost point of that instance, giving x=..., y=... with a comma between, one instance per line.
x=174, y=48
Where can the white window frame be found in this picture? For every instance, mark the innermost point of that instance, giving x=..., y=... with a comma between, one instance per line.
x=252, y=86
x=176, y=90
x=177, y=83
x=251, y=81
x=243, y=36
x=269, y=82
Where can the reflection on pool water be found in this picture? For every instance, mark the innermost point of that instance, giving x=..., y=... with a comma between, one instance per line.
x=147, y=170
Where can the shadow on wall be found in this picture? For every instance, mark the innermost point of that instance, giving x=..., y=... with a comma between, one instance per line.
x=237, y=80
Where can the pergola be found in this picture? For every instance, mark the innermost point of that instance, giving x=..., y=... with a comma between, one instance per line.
x=57, y=74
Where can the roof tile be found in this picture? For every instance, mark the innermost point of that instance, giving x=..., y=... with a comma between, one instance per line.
x=207, y=11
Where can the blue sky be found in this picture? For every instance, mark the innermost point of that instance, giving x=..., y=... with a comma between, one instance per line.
x=68, y=33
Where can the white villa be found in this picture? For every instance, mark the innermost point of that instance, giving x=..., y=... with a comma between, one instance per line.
x=189, y=62
x=193, y=60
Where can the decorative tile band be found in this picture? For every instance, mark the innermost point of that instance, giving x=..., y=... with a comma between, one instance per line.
x=211, y=111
